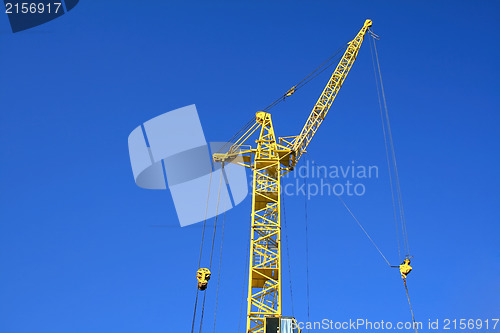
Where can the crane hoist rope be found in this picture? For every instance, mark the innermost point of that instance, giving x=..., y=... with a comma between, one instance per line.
x=219, y=269
x=395, y=185
x=288, y=253
x=203, y=274
x=382, y=118
x=306, y=235
x=244, y=281
x=201, y=251
x=411, y=308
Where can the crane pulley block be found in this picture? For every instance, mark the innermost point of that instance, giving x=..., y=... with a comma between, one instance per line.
x=290, y=92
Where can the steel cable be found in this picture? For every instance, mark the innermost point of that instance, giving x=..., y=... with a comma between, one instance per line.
x=392, y=150
x=213, y=242
x=307, y=249
x=352, y=214
x=220, y=265
x=288, y=253
x=386, y=152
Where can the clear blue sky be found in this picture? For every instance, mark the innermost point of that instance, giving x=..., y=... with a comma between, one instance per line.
x=80, y=246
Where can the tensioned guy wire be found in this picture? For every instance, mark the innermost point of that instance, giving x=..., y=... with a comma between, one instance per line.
x=352, y=214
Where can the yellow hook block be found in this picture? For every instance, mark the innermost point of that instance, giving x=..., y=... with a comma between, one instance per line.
x=405, y=268
x=203, y=275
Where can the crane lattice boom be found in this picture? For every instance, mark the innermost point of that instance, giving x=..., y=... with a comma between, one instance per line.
x=320, y=109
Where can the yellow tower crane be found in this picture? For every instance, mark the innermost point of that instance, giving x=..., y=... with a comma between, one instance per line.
x=270, y=160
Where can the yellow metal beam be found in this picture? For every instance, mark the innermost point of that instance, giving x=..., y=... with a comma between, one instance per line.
x=320, y=109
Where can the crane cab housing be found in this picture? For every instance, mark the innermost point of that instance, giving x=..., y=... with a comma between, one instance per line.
x=281, y=325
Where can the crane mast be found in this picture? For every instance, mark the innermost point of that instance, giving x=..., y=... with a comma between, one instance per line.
x=270, y=160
